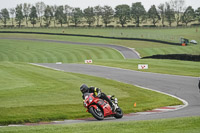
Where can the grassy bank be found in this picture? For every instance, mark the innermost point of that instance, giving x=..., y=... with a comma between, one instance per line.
x=31, y=94
x=165, y=34
x=144, y=48
x=177, y=125
x=175, y=67
x=32, y=51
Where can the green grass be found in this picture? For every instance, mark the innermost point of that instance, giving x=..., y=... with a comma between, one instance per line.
x=144, y=48
x=127, y=43
x=30, y=94
x=166, y=34
x=31, y=51
x=176, y=125
x=190, y=49
x=175, y=67
x=45, y=52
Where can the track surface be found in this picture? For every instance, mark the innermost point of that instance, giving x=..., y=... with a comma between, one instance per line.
x=126, y=52
x=184, y=87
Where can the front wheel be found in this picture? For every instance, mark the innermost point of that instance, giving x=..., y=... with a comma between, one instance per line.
x=97, y=113
x=119, y=113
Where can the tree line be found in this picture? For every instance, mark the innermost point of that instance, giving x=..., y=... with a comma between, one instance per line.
x=168, y=12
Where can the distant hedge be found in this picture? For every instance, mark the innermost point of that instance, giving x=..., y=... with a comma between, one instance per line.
x=185, y=57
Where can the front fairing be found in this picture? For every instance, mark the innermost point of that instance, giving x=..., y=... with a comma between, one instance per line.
x=88, y=99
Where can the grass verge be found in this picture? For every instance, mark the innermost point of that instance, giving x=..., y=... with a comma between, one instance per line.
x=175, y=67
x=31, y=94
x=176, y=125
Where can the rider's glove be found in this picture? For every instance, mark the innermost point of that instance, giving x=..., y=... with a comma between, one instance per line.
x=99, y=94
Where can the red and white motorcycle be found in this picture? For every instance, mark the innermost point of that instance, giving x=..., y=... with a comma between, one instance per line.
x=100, y=108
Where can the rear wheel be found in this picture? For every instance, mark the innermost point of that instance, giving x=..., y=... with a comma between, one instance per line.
x=97, y=113
x=119, y=113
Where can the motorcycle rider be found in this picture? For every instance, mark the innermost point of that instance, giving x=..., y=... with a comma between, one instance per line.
x=97, y=92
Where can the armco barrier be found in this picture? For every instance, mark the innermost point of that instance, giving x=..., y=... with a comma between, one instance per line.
x=96, y=36
x=185, y=57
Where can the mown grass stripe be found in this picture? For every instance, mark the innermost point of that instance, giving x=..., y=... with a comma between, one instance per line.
x=52, y=52
x=11, y=57
x=49, y=55
x=28, y=57
x=86, y=53
x=106, y=53
x=59, y=56
x=77, y=56
x=4, y=56
x=72, y=57
x=62, y=57
x=95, y=52
x=22, y=57
x=16, y=55
x=68, y=57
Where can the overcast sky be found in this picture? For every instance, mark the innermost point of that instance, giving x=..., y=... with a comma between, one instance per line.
x=85, y=3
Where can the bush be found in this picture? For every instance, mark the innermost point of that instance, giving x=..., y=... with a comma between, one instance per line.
x=99, y=25
x=186, y=57
x=110, y=26
x=149, y=26
x=130, y=26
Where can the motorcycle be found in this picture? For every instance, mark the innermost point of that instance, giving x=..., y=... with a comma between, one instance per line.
x=100, y=108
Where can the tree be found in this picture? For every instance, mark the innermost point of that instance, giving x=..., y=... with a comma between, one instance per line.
x=188, y=15
x=67, y=11
x=153, y=15
x=169, y=14
x=4, y=16
x=197, y=14
x=138, y=13
x=12, y=14
x=107, y=15
x=178, y=6
x=53, y=10
x=161, y=8
x=48, y=15
x=26, y=11
x=0, y=16
x=89, y=15
x=33, y=15
x=98, y=13
x=19, y=15
x=60, y=16
x=77, y=15
x=122, y=12
x=40, y=7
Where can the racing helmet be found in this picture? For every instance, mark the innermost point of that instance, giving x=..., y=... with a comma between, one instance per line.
x=84, y=88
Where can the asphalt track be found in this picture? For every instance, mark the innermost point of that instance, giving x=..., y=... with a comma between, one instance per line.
x=184, y=87
x=127, y=53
